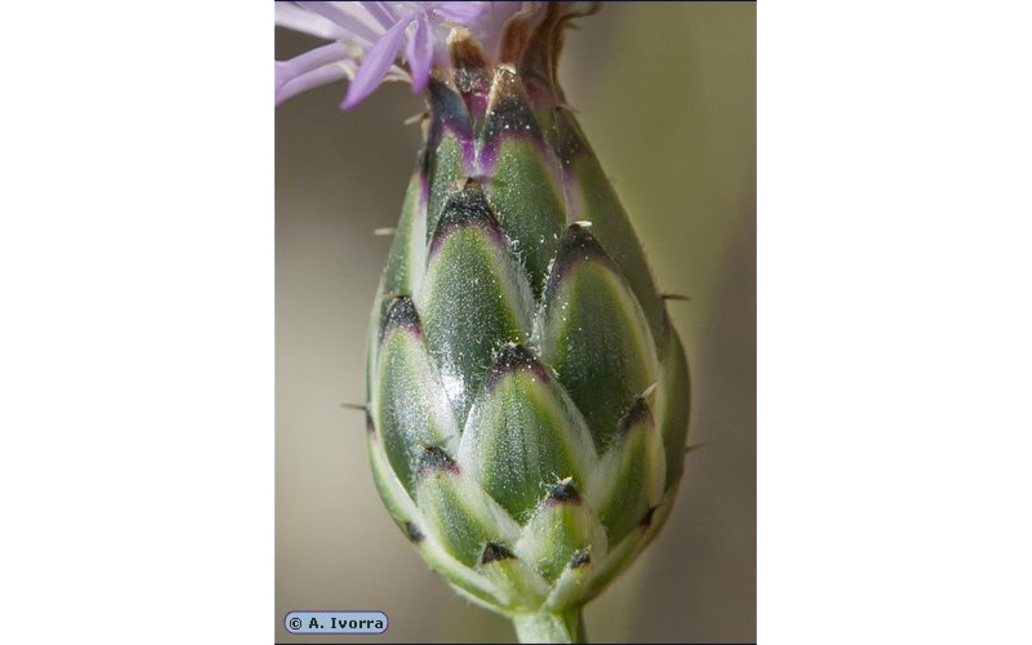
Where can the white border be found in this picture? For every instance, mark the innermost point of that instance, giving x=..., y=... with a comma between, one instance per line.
x=894, y=345
x=136, y=257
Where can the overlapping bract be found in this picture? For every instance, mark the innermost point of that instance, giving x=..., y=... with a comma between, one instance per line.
x=528, y=398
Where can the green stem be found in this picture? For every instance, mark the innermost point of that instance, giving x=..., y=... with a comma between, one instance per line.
x=567, y=627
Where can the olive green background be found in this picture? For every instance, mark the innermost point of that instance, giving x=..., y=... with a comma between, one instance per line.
x=667, y=97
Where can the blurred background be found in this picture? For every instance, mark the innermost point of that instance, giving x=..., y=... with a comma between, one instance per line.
x=667, y=98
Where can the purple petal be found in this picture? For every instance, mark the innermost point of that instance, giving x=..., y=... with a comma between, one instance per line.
x=464, y=13
x=420, y=54
x=375, y=64
x=294, y=17
x=352, y=26
x=311, y=80
x=380, y=12
x=286, y=71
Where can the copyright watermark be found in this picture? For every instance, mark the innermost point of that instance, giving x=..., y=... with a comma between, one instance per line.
x=336, y=622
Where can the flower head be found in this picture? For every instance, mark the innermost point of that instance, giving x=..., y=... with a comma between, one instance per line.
x=527, y=396
x=377, y=41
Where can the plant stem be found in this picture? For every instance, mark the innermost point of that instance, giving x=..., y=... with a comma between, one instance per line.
x=543, y=627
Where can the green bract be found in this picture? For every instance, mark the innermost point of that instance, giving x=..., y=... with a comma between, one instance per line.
x=528, y=397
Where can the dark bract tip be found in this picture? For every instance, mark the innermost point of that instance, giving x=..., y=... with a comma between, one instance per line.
x=413, y=533
x=577, y=245
x=402, y=313
x=471, y=76
x=513, y=357
x=646, y=521
x=638, y=414
x=583, y=558
x=448, y=110
x=494, y=552
x=467, y=206
x=466, y=54
x=509, y=113
x=564, y=493
x=436, y=459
